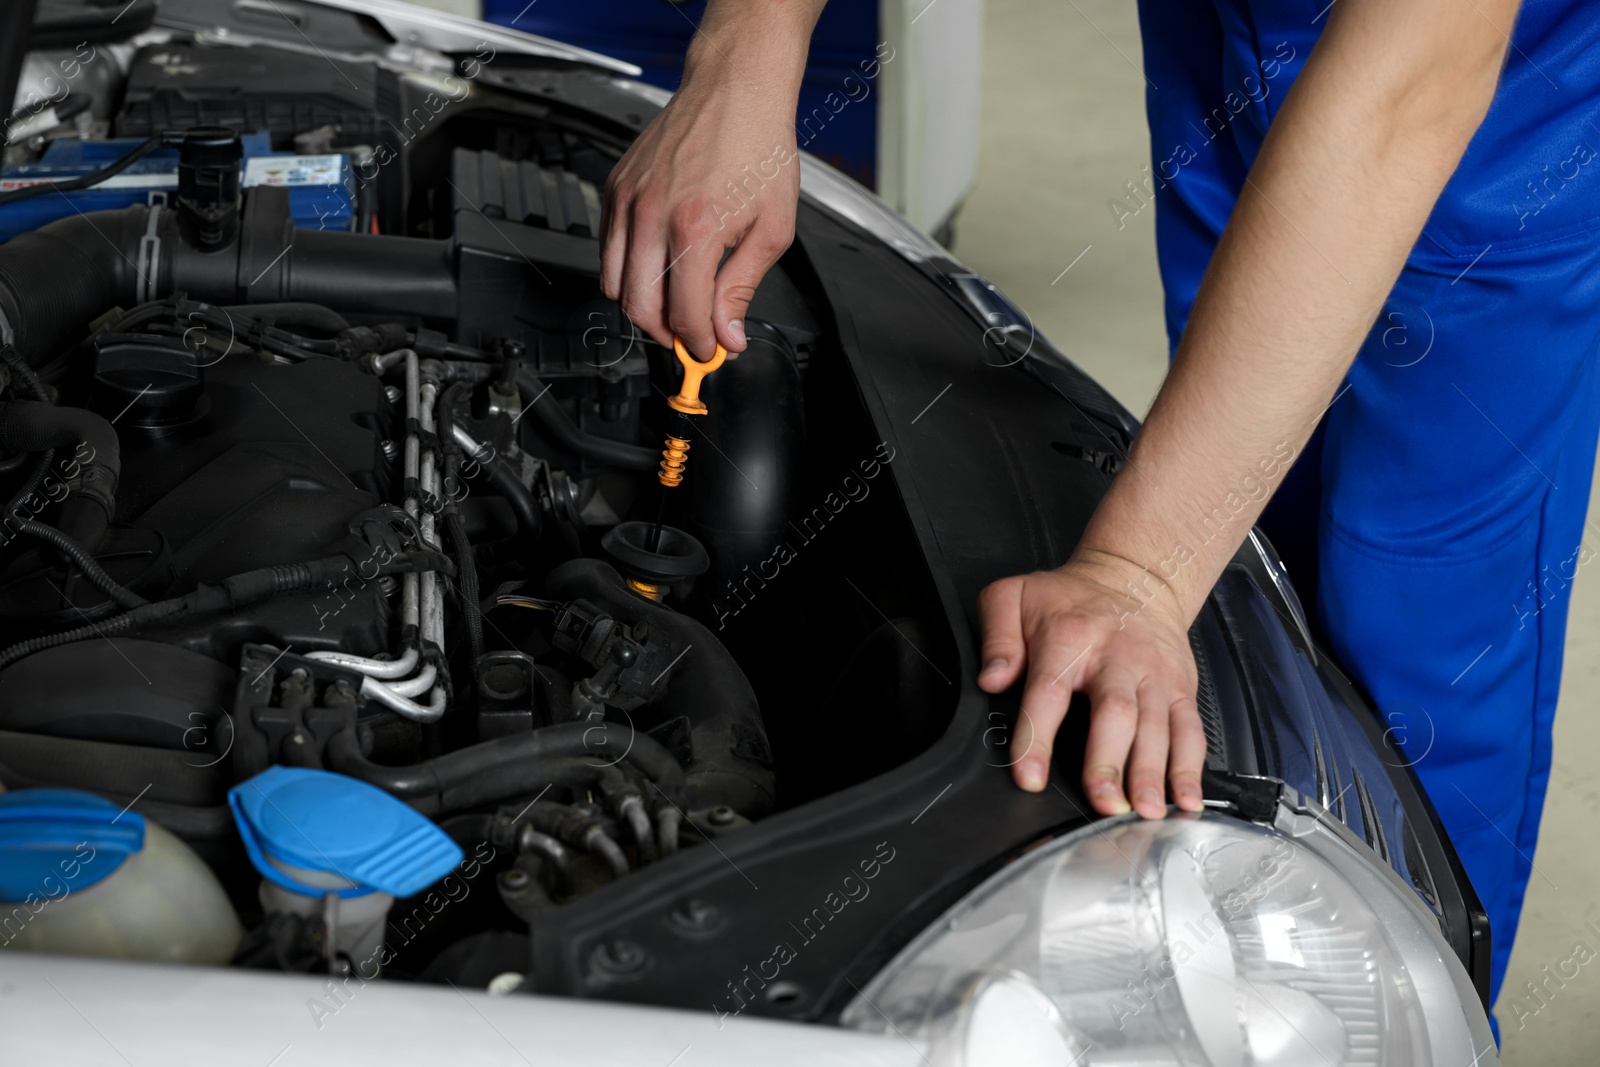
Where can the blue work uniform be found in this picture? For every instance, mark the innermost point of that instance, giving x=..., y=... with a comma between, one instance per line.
x=1438, y=516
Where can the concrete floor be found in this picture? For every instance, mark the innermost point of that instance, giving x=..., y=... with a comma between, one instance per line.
x=1063, y=130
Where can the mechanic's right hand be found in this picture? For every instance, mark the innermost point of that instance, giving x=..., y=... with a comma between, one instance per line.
x=716, y=169
x=1078, y=628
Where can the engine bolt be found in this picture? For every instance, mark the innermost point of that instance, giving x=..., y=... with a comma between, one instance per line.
x=390, y=450
x=392, y=394
x=619, y=958
x=722, y=815
x=697, y=917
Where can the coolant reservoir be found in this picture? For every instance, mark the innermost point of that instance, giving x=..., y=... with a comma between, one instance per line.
x=80, y=875
x=332, y=847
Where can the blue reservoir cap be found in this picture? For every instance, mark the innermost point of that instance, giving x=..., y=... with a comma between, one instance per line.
x=54, y=841
x=334, y=824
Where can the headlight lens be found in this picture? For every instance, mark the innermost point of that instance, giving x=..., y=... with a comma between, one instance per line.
x=1195, y=940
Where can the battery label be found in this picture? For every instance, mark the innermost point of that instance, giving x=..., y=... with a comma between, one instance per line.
x=293, y=170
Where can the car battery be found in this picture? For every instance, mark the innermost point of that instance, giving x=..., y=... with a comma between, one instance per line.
x=320, y=187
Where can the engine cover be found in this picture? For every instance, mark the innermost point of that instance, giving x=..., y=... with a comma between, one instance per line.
x=269, y=469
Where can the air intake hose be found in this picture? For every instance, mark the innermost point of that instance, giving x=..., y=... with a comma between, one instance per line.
x=55, y=280
x=742, y=492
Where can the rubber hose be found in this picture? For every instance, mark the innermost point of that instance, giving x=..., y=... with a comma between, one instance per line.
x=467, y=568
x=31, y=385
x=602, y=845
x=496, y=471
x=305, y=316
x=30, y=484
x=530, y=757
x=571, y=437
x=171, y=776
x=468, y=831
x=466, y=562
x=35, y=426
x=56, y=279
x=86, y=563
x=530, y=521
x=732, y=758
x=504, y=780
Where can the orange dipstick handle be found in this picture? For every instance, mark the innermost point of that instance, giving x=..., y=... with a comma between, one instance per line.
x=694, y=372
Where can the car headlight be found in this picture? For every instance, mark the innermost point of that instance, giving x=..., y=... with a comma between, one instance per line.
x=1200, y=939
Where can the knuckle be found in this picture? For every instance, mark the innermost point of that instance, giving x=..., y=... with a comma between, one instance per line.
x=737, y=294
x=645, y=208
x=1029, y=738
x=640, y=313
x=689, y=221
x=1117, y=706
x=1185, y=778
x=1141, y=778
x=772, y=241
x=1102, y=772
x=1062, y=628
x=1185, y=711
x=693, y=331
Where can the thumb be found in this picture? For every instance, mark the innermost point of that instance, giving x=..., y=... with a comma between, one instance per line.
x=737, y=281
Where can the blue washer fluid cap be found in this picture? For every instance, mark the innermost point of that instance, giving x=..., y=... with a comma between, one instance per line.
x=330, y=823
x=57, y=841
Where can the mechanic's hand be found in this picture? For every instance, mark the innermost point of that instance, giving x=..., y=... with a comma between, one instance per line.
x=1080, y=628
x=716, y=169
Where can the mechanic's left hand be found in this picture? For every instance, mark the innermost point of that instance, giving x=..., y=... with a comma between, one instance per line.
x=1077, y=628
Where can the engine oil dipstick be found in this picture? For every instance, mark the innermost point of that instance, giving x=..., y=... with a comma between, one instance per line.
x=685, y=407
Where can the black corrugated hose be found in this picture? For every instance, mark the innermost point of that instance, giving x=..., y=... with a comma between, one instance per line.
x=86, y=562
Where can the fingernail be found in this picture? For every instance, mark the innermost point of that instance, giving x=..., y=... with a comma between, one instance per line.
x=1106, y=791
x=994, y=665
x=1189, y=800
x=1032, y=774
x=1150, y=800
x=736, y=330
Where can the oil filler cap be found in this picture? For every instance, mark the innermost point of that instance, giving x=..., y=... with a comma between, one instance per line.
x=55, y=841
x=315, y=832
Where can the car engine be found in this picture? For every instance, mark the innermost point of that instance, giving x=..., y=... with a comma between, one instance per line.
x=360, y=479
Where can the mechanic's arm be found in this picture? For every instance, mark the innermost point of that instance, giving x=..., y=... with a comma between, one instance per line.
x=717, y=169
x=1344, y=182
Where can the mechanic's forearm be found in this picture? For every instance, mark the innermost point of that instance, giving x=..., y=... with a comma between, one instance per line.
x=1343, y=184
x=760, y=44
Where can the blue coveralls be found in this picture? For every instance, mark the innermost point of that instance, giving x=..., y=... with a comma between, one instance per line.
x=1439, y=513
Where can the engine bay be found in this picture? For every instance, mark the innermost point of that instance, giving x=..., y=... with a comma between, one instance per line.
x=357, y=481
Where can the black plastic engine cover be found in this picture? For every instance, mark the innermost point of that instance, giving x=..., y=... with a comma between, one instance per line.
x=284, y=456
